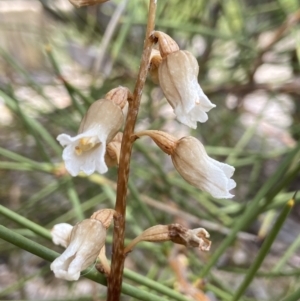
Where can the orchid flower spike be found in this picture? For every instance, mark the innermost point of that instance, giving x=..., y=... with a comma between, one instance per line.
x=85, y=152
x=178, y=78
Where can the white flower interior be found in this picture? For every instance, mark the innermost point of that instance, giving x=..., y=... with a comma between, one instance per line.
x=85, y=152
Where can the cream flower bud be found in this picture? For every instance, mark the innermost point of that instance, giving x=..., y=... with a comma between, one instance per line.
x=196, y=238
x=155, y=60
x=178, y=78
x=79, y=3
x=86, y=151
x=61, y=234
x=197, y=168
x=86, y=240
x=113, y=149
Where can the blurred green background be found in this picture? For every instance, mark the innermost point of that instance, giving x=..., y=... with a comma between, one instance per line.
x=55, y=60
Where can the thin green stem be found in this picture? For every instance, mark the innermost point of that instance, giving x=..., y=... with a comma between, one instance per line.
x=251, y=211
x=293, y=297
x=264, y=250
x=49, y=255
x=25, y=222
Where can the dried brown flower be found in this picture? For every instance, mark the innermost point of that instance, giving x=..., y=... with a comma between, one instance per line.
x=176, y=233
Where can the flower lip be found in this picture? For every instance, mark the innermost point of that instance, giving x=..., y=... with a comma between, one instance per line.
x=85, y=152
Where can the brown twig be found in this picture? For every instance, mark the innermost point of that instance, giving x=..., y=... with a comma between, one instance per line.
x=118, y=258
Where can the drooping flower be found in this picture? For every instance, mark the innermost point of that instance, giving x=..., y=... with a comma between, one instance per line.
x=197, y=168
x=84, y=244
x=193, y=164
x=86, y=240
x=177, y=75
x=85, y=152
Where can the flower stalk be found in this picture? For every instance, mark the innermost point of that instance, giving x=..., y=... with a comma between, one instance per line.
x=118, y=257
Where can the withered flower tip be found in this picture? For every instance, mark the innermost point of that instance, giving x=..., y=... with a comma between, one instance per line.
x=196, y=238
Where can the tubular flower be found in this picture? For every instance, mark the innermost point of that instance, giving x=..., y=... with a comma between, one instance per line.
x=177, y=73
x=197, y=168
x=86, y=240
x=85, y=152
x=193, y=164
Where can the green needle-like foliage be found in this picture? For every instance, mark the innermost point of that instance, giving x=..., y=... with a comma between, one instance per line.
x=248, y=53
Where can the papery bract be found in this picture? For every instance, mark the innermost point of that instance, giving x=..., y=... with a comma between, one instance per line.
x=113, y=149
x=197, y=168
x=86, y=240
x=85, y=152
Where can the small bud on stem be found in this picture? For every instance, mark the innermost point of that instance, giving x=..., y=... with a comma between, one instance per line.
x=105, y=216
x=166, y=44
x=119, y=96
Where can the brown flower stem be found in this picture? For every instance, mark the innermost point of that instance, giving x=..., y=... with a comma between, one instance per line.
x=118, y=257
